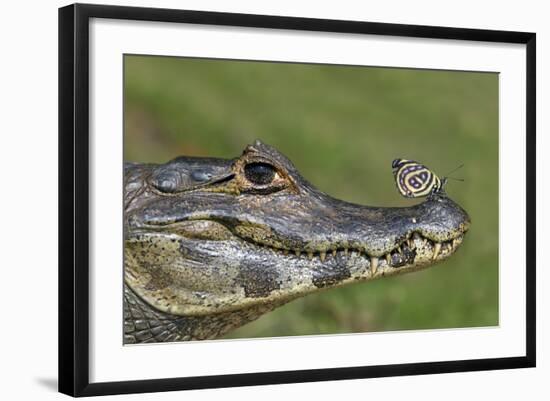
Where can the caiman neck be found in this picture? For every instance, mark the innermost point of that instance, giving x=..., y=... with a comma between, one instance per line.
x=144, y=324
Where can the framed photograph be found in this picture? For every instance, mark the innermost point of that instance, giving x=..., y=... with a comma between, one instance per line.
x=242, y=195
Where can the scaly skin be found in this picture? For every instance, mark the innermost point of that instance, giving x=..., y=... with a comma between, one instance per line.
x=207, y=249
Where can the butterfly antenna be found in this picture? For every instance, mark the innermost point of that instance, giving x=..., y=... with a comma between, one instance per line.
x=448, y=177
x=453, y=170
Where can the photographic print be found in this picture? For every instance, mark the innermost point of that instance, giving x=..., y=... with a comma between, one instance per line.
x=235, y=189
x=269, y=199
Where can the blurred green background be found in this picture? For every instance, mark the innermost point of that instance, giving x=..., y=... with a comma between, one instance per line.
x=341, y=126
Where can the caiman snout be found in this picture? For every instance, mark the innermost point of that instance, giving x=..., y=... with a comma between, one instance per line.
x=320, y=228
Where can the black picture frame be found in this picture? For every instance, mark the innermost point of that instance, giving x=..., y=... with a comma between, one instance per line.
x=74, y=198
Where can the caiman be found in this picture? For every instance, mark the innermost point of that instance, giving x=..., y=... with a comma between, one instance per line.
x=212, y=244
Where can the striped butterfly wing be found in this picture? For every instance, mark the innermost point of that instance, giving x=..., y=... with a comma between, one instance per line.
x=413, y=179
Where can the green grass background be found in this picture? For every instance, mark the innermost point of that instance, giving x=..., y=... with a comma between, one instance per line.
x=341, y=126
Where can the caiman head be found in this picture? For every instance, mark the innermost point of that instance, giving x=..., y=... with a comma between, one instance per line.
x=207, y=237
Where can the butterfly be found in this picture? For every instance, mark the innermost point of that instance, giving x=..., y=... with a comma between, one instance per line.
x=415, y=180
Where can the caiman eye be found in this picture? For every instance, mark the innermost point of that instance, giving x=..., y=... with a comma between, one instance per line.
x=259, y=173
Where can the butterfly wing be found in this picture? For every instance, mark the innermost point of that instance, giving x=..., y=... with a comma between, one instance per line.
x=413, y=179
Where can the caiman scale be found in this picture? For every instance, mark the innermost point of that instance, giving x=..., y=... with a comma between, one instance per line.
x=212, y=244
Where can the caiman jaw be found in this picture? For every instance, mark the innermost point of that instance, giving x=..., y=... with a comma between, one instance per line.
x=416, y=251
x=411, y=252
x=227, y=244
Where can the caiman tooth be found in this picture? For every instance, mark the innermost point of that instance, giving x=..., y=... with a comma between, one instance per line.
x=373, y=264
x=346, y=251
x=437, y=248
x=285, y=251
x=310, y=255
x=455, y=242
x=334, y=252
x=388, y=259
x=297, y=252
x=323, y=256
x=399, y=250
